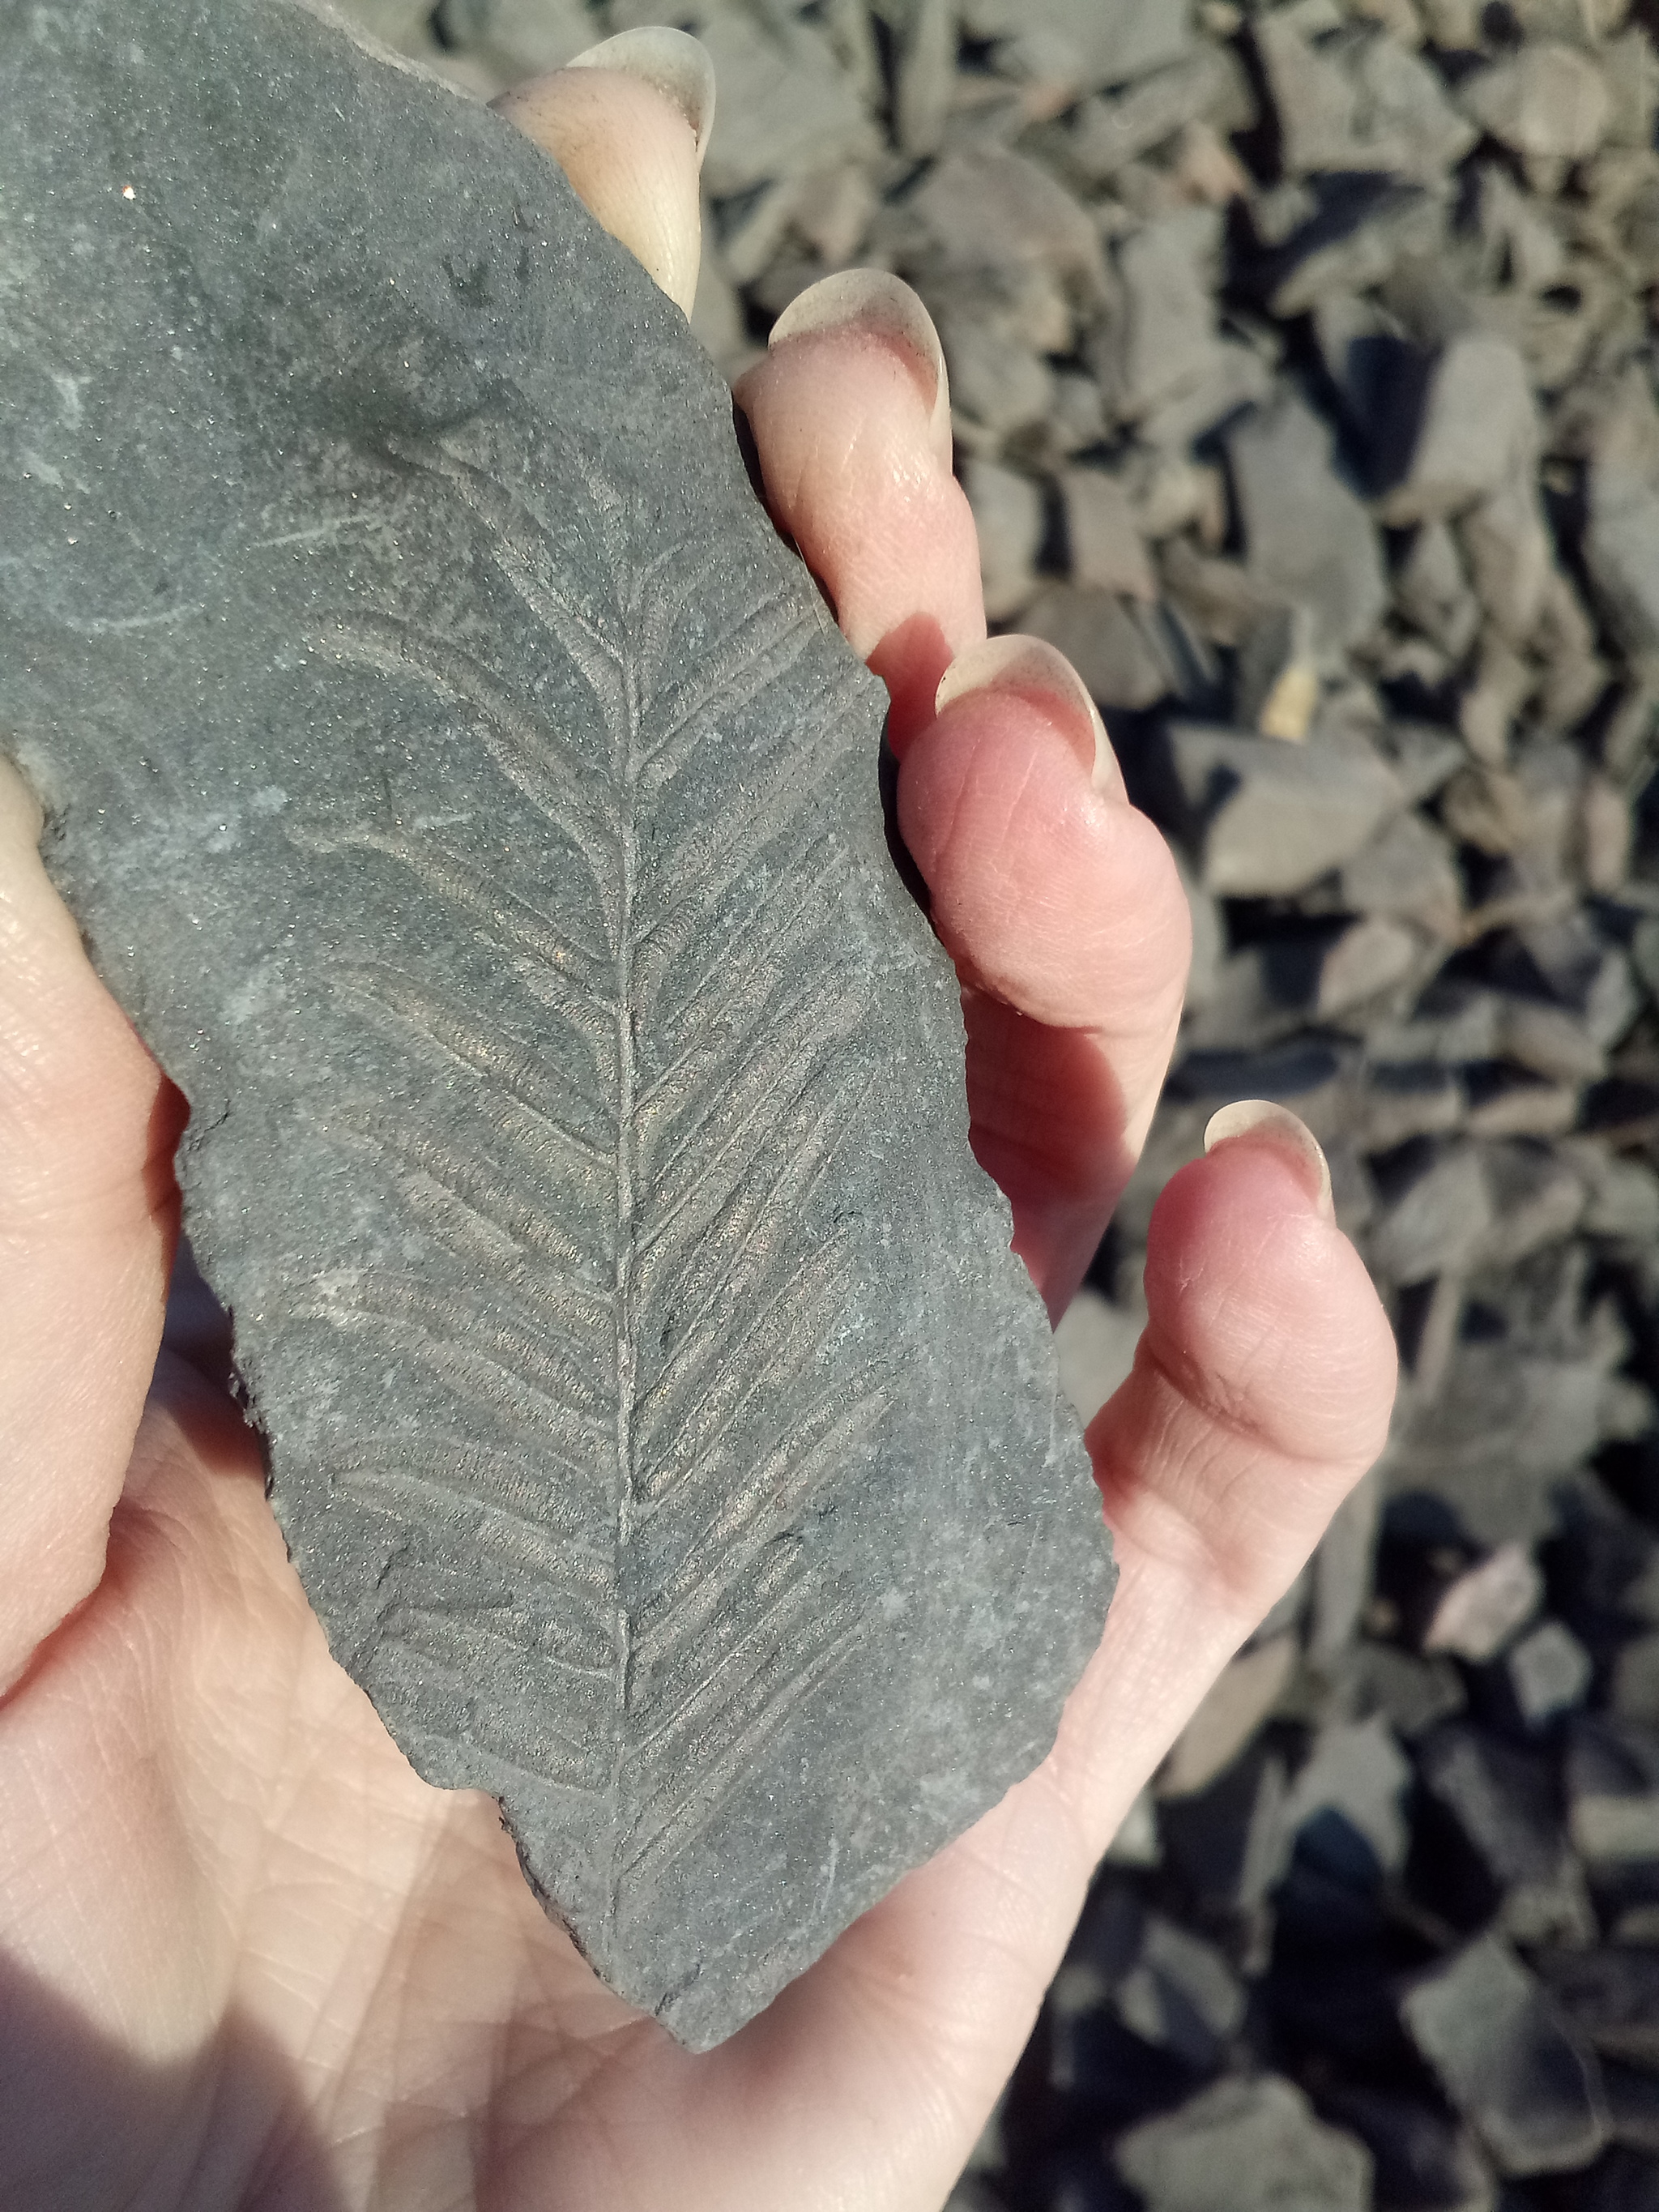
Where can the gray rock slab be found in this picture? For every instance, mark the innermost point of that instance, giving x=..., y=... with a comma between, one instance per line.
x=1477, y=430
x=1342, y=1569
x=1008, y=521
x=1506, y=1427
x=925, y=75
x=1081, y=45
x=1432, y=591
x=1181, y=1994
x=787, y=105
x=1508, y=2060
x=1615, y=1831
x=1635, y=1684
x=1472, y=1207
x=1357, y=1772
x=1095, y=1344
x=1165, y=341
x=1230, y=1842
x=1436, y=1215
x=1112, y=644
x=1245, y=2146
x=1503, y=1801
x=1405, y=120
x=1358, y=101
x=1274, y=818
x=1000, y=385
x=1103, y=536
x=1612, y=1997
x=1482, y=1609
x=1410, y=1098
x=1309, y=541
x=1630, y=69
x=1108, y=134
x=1549, y=1672
x=476, y=811
x=1424, y=2160
x=1423, y=757
x=1507, y=545
x=986, y=209
x=1408, y=870
x=1315, y=98
x=1537, y=1198
x=1622, y=554
x=1547, y=100
x=1412, y=1694
x=1234, y=1709
x=1233, y=376
x=1612, y=1784
x=518, y=38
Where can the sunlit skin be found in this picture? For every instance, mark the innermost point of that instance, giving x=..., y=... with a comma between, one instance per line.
x=249, y=1959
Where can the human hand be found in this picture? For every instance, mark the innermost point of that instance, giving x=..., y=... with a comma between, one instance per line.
x=249, y=1957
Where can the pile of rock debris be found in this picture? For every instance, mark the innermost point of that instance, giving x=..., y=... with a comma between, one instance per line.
x=1304, y=366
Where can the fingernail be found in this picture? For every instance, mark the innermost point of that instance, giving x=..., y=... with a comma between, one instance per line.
x=873, y=300
x=673, y=62
x=1262, y=1119
x=1033, y=669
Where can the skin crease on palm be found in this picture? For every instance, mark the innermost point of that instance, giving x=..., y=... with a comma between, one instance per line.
x=241, y=1945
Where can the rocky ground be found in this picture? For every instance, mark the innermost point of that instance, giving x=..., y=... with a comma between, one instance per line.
x=1303, y=368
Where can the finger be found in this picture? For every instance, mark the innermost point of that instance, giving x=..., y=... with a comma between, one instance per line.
x=1061, y=907
x=629, y=122
x=851, y=417
x=1059, y=903
x=1261, y=1394
x=89, y=1212
x=1262, y=1391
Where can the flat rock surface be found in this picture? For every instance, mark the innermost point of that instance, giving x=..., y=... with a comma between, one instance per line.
x=476, y=811
x=1508, y=2060
x=1246, y=2147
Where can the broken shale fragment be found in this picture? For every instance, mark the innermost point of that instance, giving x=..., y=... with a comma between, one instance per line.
x=474, y=809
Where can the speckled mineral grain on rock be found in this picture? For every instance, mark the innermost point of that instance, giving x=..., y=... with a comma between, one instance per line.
x=474, y=809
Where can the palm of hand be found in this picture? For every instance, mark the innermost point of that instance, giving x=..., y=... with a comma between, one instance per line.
x=250, y=1958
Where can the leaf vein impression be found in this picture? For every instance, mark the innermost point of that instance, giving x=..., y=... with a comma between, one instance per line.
x=729, y=1094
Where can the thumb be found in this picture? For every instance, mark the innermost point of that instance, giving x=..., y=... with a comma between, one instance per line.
x=88, y=1214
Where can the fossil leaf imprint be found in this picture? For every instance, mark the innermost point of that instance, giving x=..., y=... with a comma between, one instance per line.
x=476, y=810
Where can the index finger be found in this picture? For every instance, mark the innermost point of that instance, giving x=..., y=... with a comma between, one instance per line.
x=1059, y=903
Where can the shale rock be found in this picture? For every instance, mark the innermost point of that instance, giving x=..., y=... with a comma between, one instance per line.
x=1276, y=817
x=1509, y=2061
x=477, y=812
x=1309, y=540
x=1547, y=101
x=1065, y=47
x=787, y=106
x=1243, y=2147
x=1476, y=425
